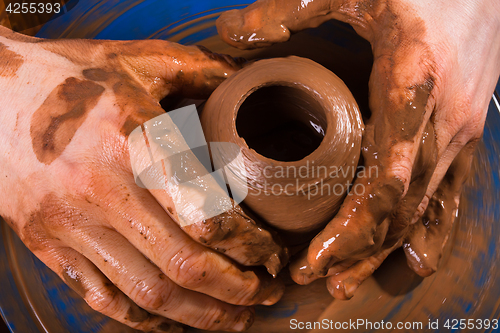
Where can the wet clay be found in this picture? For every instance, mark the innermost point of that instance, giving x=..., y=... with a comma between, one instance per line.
x=427, y=238
x=380, y=294
x=144, y=107
x=10, y=61
x=55, y=123
x=423, y=168
x=313, y=174
x=401, y=104
x=265, y=23
x=136, y=315
x=408, y=127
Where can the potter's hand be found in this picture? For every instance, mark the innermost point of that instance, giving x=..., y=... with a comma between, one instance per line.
x=67, y=189
x=434, y=71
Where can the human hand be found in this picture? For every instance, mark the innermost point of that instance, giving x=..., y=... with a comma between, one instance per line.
x=66, y=110
x=434, y=71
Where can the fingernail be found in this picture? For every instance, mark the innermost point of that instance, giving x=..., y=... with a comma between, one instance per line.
x=269, y=302
x=349, y=289
x=245, y=320
x=337, y=289
x=326, y=268
x=275, y=295
x=170, y=327
x=320, y=269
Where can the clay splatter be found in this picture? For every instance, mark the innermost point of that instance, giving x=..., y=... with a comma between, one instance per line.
x=55, y=123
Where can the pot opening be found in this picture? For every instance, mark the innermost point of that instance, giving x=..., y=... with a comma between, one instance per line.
x=281, y=122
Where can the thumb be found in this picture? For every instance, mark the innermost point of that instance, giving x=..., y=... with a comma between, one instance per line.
x=166, y=68
x=268, y=22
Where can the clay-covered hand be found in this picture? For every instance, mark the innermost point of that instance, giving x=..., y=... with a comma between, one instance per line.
x=435, y=67
x=66, y=110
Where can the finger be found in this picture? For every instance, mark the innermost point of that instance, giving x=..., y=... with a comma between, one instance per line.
x=195, y=200
x=85, y=279
x=447, y=154
x=302, y=274
x=344, y=284
x=401, y=107
x=149, y=288
x=136, y=215
x=240, y=238
x=266, y=22
x=169, y=68
x=427, y=238
x=422, y=171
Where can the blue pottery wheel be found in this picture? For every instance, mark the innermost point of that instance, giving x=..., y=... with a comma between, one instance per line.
x=34, y=299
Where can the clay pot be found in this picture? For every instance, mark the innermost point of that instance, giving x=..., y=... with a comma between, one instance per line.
x=299, y=130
